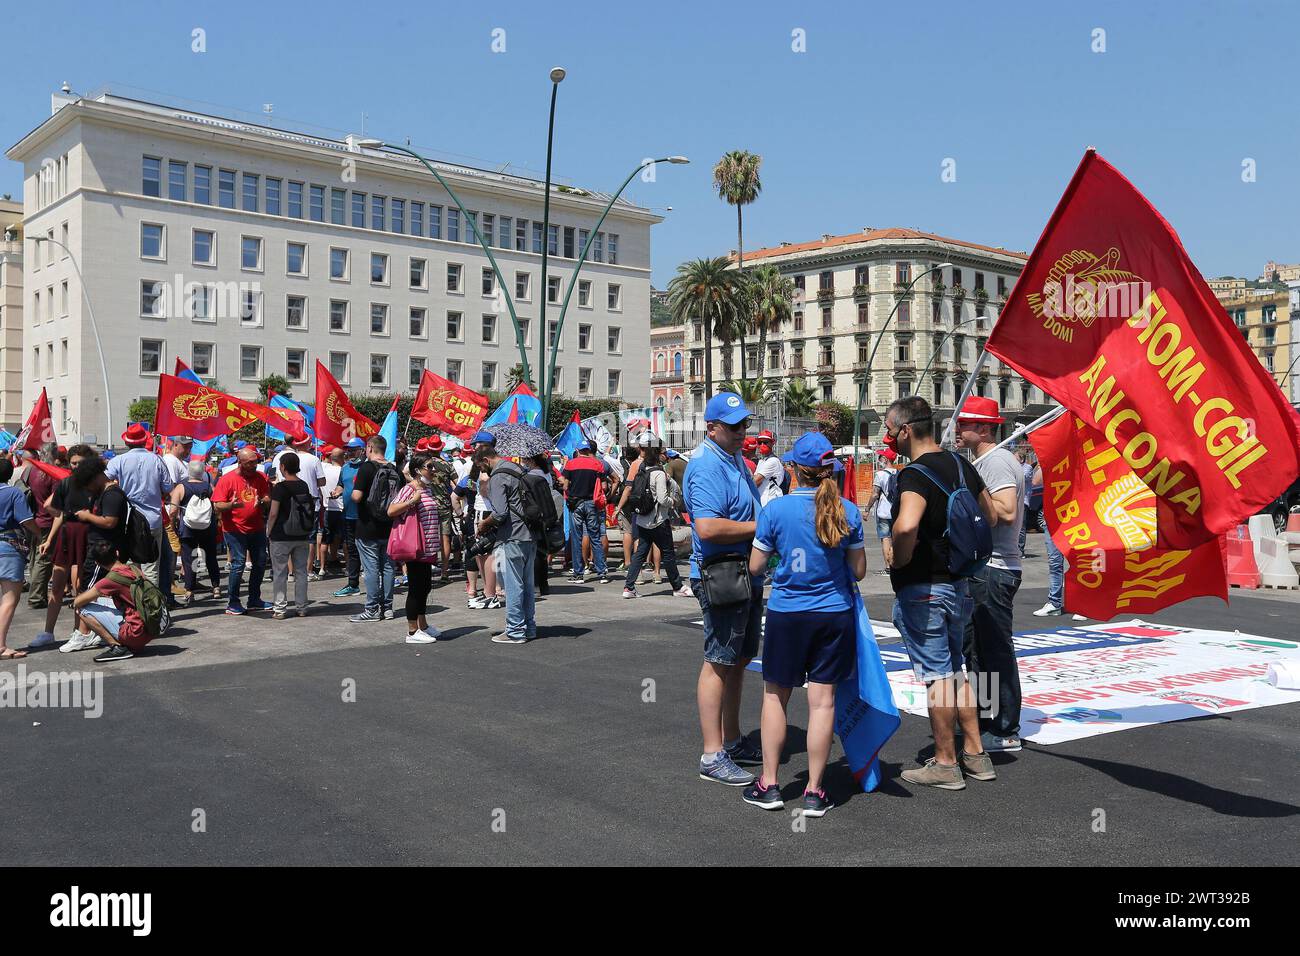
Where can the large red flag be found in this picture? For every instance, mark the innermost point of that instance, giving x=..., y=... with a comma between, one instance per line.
x=1103, y=517
x=448, y=407
x=39, y=429
x=1112, y=319
x=54, y=471
x=191, y=408
x=337, y=421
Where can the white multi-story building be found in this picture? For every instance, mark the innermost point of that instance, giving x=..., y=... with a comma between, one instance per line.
x=246, y=251
x=12, y=412
x=845, y=288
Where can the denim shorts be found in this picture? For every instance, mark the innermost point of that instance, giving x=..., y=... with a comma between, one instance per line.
x=110, y=617
x=730, y=633
x=13, y=565
x=884, y=527
x=817, y=646
x=932, y=619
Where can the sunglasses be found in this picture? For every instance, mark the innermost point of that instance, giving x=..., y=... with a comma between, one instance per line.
x=738, y=427
x=902, y=425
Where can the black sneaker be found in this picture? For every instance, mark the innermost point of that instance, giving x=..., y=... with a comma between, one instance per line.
x=366, y=616
x=118, y=652
x=746, y=752
x=816, y=803
x=603, y=579
x=769, y=798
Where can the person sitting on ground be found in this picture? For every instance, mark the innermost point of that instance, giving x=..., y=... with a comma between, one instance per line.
x=120, y=626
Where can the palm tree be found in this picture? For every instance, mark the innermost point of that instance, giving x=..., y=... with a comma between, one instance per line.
x=706, y=289
x=799, y=398
x=770, y=298
x=736, y=179
x=515, y=377
x=752, y=391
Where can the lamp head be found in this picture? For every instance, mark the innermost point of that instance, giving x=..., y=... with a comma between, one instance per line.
x=678, y=160
x=944, y=265
x=557, y=74
x=370, y=143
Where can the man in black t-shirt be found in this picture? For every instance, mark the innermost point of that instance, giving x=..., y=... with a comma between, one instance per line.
x=372, y=537
x=931, y=606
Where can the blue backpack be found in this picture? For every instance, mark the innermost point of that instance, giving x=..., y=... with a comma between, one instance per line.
x=970, y=539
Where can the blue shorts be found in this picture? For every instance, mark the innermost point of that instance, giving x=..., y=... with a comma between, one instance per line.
x=13, y=565
x=884, y=527
x=110, y=617
x=731, y=633
x=932, y=619
x=817, y=646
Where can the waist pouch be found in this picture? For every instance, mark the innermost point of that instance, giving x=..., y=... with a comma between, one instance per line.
x=725, y=579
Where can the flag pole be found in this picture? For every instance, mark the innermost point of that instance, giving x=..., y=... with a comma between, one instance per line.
x=1038, y=422
x=951, y=427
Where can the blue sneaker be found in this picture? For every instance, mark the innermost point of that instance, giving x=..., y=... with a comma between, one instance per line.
x=769, y=798
x=722, y=769
x=235, y=609
x=347, y=591
x=746, y=752
x=259, y=606
x=816, y=803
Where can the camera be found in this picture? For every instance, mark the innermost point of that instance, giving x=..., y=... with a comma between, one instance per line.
x=482, y=546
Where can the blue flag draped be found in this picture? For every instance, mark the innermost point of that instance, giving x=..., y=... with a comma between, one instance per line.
x=521, y=405
x=571, y=439
x=865, y=713
x=306, y=411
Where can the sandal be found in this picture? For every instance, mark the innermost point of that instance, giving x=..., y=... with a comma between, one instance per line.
x=11, y=654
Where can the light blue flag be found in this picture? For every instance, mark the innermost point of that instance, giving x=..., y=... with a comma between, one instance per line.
x=388, y=429
x=306, y=411
x=7, y=439
x=571, y=439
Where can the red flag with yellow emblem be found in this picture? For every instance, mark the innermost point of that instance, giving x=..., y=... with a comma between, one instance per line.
x=1111, y=318
x=337, y=420
x=449, y=407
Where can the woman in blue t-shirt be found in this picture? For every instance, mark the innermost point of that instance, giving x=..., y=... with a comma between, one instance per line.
x=811, y=634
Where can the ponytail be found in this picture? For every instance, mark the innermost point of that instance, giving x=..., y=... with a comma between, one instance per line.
x=829, y=519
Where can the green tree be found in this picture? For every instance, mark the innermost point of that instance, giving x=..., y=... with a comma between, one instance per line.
x=273, y=383
x=751, y=390
x=736, y=179
x=771, y=298
x=799, y=398
x=835, y=419
x=515, y=377
x=707, y=289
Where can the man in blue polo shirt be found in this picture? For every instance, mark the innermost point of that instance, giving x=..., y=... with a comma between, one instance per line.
x=722, y=501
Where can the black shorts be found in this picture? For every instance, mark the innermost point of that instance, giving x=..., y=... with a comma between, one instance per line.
x=817, y=646
x=333, y=526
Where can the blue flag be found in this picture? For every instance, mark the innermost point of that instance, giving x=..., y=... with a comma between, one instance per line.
x=865, y=713
x=571, y=439
x=522, y=405
x=388, y=429
x=306, y=411
x=7, y=439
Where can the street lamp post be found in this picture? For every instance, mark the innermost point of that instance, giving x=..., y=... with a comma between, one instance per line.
x=582, y=258
x=1286, y=378
x=501, y=280
x=939, y=348
x=866, y=377
x=557, y=76
x=94, y=329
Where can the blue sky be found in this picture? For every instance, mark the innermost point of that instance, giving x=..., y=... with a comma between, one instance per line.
x=853, y=131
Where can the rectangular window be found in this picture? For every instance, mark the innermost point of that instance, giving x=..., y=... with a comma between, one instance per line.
x=200, y=303
x=552, y=333
x=417, y=218
x=226, y=188
x=203, y=184
x=378, y=371
x=339, y=366
x=296, y=258
x=903, y=274
x=359, y=210
x=378, y=318
x=598, y=248
x=419, y=274
x=250, y=253
x=250, y=308
x=252, y=182
x=489, y=329
x=453, y=276
x=489, y=281
x=488, y=227
x=338, y=315
x=453, y=225
x=584, y=292
x=615, y=340
x=177, y=180
x=454, y=327
x=435, y=222
x=453, y=370
x=584, y=338
x=295, y=312
x=583, y=236
x=826, y=320
x=584, y=381
x=150, y=299
x=537, y=237
x=295, y=364
x=295, y=200
x=151, y=241
x=553, y=240
x=616, y=297
x=521, y=235
x=272, y=196
x=378, y=206
x=505, y=231
x=471, y=224
x=523, y=330
x=415, y=371
x=152, y=179
x=317, y=203
x=250, y=362
x=613, y=248
x=615, y=381
x=862, y=275
x=339, y=264
x=378, y=268
x=552, y=289
x=569, y=251
x=956, y=277
x=826, y=281
x=398, y=208
x=419, y=326
x=521, y=286
x=202, y=359
x=489, y=376
x=151, y=356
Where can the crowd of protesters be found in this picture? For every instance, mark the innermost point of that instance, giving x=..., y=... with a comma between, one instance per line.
x=107, y=538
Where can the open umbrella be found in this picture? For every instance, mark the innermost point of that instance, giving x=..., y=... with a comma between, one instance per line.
x=516, y=440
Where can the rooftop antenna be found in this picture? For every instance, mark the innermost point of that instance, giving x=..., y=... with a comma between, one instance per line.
x=363, y=124
x=66, y=87
x=268, y=108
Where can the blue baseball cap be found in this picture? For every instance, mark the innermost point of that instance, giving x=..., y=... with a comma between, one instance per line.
x=812, y=450
x=241, y=443
x=109, y=454
x=484, y=437
x=356, y=443
x=726, y=407
x=671, y=454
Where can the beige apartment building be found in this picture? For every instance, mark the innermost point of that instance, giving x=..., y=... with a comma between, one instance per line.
x=12, y=413
x=247, y=250
x=846, y=287
x=1265, y=321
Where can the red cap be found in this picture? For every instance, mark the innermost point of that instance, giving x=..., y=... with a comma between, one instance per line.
x=135, y=435
x=435, y=443
x=980, y=409
x=750, y=443
x=889, y=454
x=765, y=437
x=422, y=445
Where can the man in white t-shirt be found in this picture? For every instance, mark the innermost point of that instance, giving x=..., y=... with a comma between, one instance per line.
x=988, y=646
x=881, y=505
x=769, y=471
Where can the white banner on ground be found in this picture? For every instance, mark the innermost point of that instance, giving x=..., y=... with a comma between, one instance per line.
x=1096, y=679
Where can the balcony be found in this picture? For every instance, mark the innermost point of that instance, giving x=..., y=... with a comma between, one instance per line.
x=902, y=290
x=825, y=296
x=826, y=370
x=904, y=365
x=658, y=378
x=861, y=291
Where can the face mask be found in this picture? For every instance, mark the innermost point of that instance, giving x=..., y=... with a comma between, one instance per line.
x=891, y=442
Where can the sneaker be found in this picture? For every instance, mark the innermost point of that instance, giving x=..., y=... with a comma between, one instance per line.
x=978, y=766
x=421, y=637
x=43, y=639
x=746, y=752
x=603, y=579
x=235, y=609
x=399, y=581
x=722, y=769
x=387, y=614
x=316, y=576
x=218, y=593
x=493, y=603
x=816, y=803
x=659, y=579
x=769, y=798
x=347, y=591
x=501, y=637
x=477, y=603
x=994, y=744
x=80, y=642
x=684, y=591
x=1080, y=617
x=934, y=774
x=1048, y=610
x=260, y=606
x=366, y=616
x=630, y=592
x=118, y=652
x=279, y=615
x=302, y=612
x=574, y=579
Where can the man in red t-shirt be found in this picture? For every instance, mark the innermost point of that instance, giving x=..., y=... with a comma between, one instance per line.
x=241, y=498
